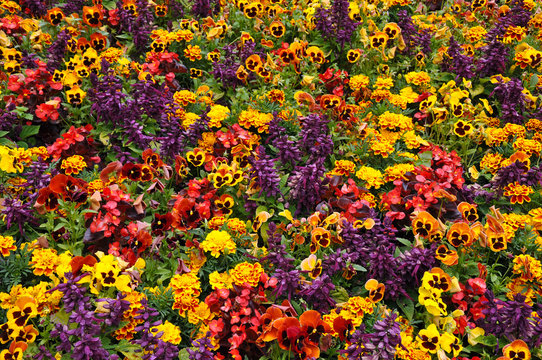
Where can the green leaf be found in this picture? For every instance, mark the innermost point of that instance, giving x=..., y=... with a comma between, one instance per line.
x=477, y=90
x=359, y=268
x=490, y=340
x=407, y=305
x=404, y=241
x=340, y=294
x=534, y=81
x=3, y=133
x=29, y=131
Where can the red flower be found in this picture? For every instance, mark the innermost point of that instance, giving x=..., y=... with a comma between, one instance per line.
x=48, y=110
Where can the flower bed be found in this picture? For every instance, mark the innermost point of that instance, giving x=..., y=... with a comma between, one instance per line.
x=270, y=179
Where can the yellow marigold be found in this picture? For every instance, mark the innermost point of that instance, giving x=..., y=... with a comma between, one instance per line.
x=254, y=118
x=395, y=122
x=368, y=197
x=409, y=94
x=207, y=141
x=371, y=176
x=7, y=245
x=380, y=95
x=276, y=96
x=475, y=33
x=491, y=162
x=382, y=148
x=358, y=82
x=527, y=267
x=355, y=309
x=220, y=280
x=237, y=226
x=516, y=221
x=170, y=333
x=183, y=35
x=534, y=125
x=399, y=101
x=217, y=114
x=398, y=171
x=189, y=118
x=127, y=331
x=383, y=83
x=418, y=78
x=216, y=222
x=514, y=130
x=495, y=136
x=413, y=141
x=95, y=185
x=514, y=33
x=40, y=151
x=184, y=97
x=193, y=52
x=185, y=302
x=218, y=242
x=360, y=305
x=44, y=261
x=246, y=273
x=200, y=314
x=73, y=165
x=528, y=146
x=111, y=54
x=186, y=283
x=343, y=167
x=518, y=193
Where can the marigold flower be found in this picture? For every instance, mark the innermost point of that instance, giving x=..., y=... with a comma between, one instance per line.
x=220, y=280
x=246, y=273
x=44, y=261
x=371, y=176
x=518, y=193
x=418, y=78
x=358, y=82
x=193, y=52
x=218, y=242
x=170, y=333
x=73, y=165
x=7, y=244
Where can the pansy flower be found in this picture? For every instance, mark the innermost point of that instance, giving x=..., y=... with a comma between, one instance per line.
x=516, y=350
x=376, y=290
x=15, y=351
x=468, y=211
x=25, y=308
x=312, y=265
x=460, y=234
x=353, y=55
x=424, y=224
x=277, y=29
x=92, y=16
x=54, y=16
x=432, y=341
x=446, y=256
x=462, y=128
